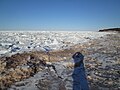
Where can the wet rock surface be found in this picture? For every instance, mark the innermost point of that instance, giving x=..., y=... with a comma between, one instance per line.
x=40, y=71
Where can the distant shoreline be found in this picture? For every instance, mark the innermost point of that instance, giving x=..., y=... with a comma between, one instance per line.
x=110, y=30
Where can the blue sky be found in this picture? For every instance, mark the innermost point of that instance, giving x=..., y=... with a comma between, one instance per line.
x=59, y=14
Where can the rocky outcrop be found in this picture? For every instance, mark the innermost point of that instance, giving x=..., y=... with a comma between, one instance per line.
x=19, y=67
x=25, y=65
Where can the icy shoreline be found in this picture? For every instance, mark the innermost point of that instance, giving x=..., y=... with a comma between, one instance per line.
x=12, y=42
x=101, y=61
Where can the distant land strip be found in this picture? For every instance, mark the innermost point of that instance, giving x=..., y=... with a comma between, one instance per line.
x=110, y=30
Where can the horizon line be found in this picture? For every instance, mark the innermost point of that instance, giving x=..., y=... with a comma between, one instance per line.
x=52, y=29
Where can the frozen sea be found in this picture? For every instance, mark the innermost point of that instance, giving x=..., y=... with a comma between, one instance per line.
x=12, y=42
